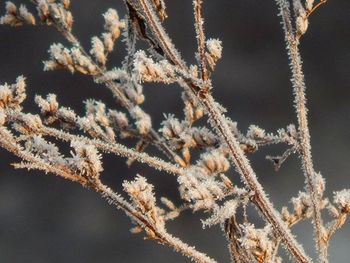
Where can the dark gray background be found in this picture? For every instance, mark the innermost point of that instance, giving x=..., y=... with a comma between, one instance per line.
x=46, y=219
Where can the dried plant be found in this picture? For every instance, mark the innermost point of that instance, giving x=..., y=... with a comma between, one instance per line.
x=204, y=180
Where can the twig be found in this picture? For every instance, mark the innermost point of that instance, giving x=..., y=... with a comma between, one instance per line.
x=197, y=6
x=304, y=134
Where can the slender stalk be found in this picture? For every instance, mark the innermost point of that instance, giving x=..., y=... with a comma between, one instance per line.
x=118, y=149
x=219, y=123
x=199, y=22
x=299, y=87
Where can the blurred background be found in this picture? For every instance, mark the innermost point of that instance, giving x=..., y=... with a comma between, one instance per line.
x=46, y=219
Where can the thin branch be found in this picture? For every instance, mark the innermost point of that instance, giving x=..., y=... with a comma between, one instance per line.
x=117, y=149
x=299, y=87
x=199, y=22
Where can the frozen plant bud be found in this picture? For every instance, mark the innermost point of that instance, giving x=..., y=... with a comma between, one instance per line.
x=214, y=47
x=65, y=3
x=342, y=200
x=11, y=96
x=194, y=71
x=112, y=23
x=19, y=90
x=28, y=123
x=11, y=7
x=309, y=4
x=285, y=214
x=227, y=182
x=255, y=132
x=86, y=160
x=143, y=120
x=108, y=42
x=146, y=69
x=98, y=50
x=214, y=53
x=257, y=241
x=26, y=15
x=214, y=162
x=320, y=184
x=292, y=131
x=82, y=63
x=66, y=115
x=5, y=96
x=172, y=127
x=301, y=22
x=60, y=58
x=302, y=205
x=58, y=14
x=202, y=137
x=48, y=105
x=333, y=211
x=142, y=196
x=14, y=17
x=43, y=10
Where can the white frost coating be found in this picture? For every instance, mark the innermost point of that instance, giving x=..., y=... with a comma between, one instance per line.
x=214, y=47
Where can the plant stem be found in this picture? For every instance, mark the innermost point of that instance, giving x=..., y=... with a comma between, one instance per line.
x=299, y=87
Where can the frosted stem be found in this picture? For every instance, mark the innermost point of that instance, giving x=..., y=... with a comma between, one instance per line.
x=116, y=149
x=299, y=87
x=197, y=6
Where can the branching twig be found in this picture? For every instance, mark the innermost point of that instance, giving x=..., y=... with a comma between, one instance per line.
x=219, y=123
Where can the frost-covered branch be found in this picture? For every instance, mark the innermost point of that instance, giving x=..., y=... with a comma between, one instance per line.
x=298, y=81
